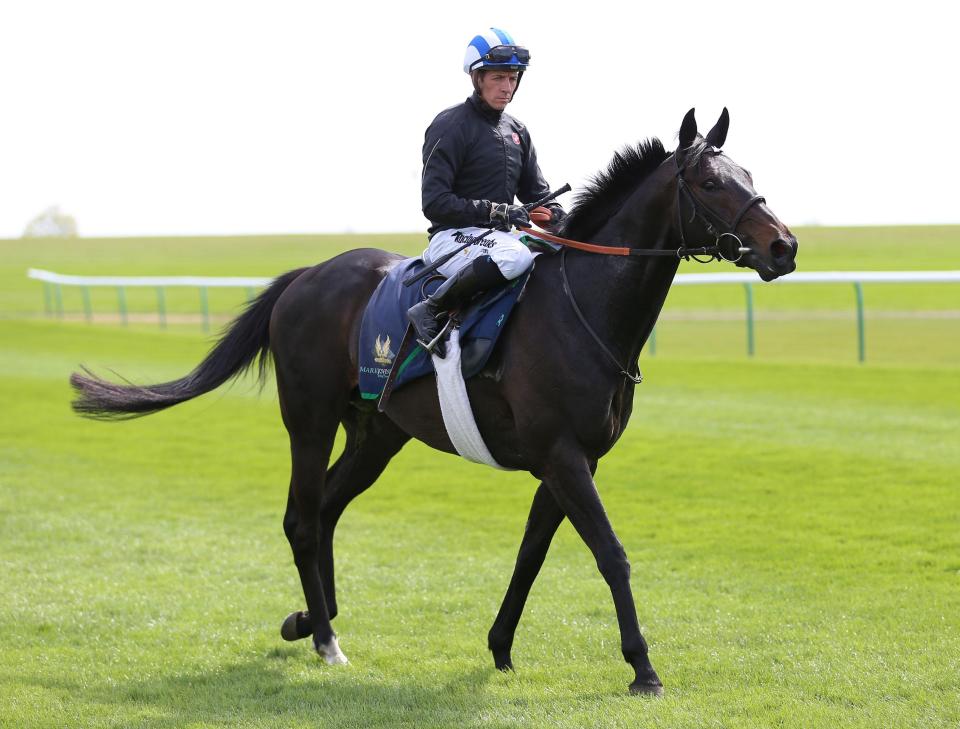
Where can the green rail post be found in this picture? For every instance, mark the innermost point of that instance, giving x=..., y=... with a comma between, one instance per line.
x=249, y=294
x=47, y=299
x=749, y=291
x=653, y=341
x=59, y=299
x=161, y=307
x=122, y=304
x=87, y=308
x=204, y=307
x=861, y=335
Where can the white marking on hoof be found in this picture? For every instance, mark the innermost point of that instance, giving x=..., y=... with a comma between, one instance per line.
x=331, y=652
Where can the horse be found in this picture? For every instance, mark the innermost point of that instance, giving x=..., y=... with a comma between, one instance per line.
x=587, y=315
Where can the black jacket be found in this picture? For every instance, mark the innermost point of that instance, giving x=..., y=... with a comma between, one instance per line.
x=474, y=155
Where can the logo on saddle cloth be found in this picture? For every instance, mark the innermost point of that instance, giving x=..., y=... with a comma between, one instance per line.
x=381, y=352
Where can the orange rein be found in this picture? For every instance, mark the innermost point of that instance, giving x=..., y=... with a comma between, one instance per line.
x=589, y=247
x=543, y=215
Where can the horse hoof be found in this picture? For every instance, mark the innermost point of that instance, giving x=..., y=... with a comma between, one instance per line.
x=296, y=626
x=330, y=652
x=646, y=689
x=502, y=661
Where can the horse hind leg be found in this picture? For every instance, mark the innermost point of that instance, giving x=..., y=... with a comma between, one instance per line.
x=372, y=440
x=310, y=455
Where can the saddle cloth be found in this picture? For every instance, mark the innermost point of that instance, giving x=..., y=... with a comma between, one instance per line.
x=385, y=321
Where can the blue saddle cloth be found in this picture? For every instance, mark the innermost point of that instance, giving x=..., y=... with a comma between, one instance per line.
x=385, y=321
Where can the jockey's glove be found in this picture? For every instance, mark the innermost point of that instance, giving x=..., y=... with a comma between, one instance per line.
x=506, y=216
x=557, y=214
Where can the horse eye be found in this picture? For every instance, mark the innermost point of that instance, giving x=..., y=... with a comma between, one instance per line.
x=710, y=185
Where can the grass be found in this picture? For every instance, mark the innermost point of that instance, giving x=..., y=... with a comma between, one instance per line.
x=791, y=521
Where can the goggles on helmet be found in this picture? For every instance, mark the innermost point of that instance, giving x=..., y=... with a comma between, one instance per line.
x=505, y=54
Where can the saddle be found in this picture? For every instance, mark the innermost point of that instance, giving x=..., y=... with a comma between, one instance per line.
x=385, y=348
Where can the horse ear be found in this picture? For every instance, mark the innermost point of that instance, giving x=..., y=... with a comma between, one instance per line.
x=718, y=135
x=688, y=130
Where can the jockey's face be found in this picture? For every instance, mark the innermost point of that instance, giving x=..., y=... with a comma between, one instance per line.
x=497, y=86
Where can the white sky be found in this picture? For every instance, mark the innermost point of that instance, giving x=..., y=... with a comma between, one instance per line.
x=214, y=117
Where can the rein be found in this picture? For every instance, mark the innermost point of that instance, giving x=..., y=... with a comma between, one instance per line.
x=715, y=223
x=637, y=378
x=686, y=253
x=716, y=226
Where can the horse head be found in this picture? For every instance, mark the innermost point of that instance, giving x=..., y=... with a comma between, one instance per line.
x=715, y=196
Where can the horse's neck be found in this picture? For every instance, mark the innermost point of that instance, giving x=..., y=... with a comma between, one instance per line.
x=627, y=293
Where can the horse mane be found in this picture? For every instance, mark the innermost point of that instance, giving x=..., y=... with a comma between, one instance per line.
x=608, y=190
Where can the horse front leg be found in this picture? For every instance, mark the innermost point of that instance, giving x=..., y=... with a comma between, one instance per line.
x=568, y=475
x=545, y=517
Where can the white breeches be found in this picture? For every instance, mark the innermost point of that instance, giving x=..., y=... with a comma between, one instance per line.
x=511, y=256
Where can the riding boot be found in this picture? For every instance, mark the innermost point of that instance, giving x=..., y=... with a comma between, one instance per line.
x=427, y=316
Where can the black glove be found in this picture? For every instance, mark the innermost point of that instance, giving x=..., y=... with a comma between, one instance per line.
x=506, y=216
x=557, y=214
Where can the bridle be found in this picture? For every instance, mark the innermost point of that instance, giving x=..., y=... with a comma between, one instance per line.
x=714, y=223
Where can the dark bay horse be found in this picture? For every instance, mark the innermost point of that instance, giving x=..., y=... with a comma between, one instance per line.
x=553, y=400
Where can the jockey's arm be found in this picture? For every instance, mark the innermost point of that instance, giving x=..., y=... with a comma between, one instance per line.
x=443, y=153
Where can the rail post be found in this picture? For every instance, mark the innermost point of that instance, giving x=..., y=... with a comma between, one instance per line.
x=87, y=308
x=122, y=304
x=861, y=334
x=161, y=307
x=205, y=308
x=748, y=288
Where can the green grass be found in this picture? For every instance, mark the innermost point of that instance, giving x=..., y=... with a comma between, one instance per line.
x=792, y=523
x=793, y=531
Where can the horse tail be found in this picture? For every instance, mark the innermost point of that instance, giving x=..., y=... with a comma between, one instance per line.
x=246, y=340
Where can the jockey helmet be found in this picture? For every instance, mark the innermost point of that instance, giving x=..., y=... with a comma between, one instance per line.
x=495, y=49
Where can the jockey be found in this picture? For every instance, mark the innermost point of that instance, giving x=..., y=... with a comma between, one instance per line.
x=476, y=160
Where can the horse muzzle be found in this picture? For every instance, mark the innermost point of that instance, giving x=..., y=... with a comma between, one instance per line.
x=778, y=260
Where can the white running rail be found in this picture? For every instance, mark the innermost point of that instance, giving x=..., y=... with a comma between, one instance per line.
x=53, y=300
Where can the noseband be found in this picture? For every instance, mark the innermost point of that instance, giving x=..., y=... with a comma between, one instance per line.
x=715, y=223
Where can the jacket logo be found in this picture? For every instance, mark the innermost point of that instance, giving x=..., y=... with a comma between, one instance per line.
x=382, y=353
x=516, y=138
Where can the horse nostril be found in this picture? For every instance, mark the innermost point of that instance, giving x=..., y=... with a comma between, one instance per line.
x=780, y=250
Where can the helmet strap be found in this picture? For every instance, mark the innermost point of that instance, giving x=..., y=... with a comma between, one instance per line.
x=477, y=73
x=475, y=76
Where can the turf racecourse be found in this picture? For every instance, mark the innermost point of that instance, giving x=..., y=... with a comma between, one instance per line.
x=793, y=524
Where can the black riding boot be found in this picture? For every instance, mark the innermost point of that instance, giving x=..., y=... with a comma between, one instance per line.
x=426, y=317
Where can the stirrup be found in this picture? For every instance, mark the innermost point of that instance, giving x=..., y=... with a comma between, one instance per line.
x=429, y=346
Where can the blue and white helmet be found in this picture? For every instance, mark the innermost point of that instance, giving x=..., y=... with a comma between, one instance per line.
x=495, y=49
